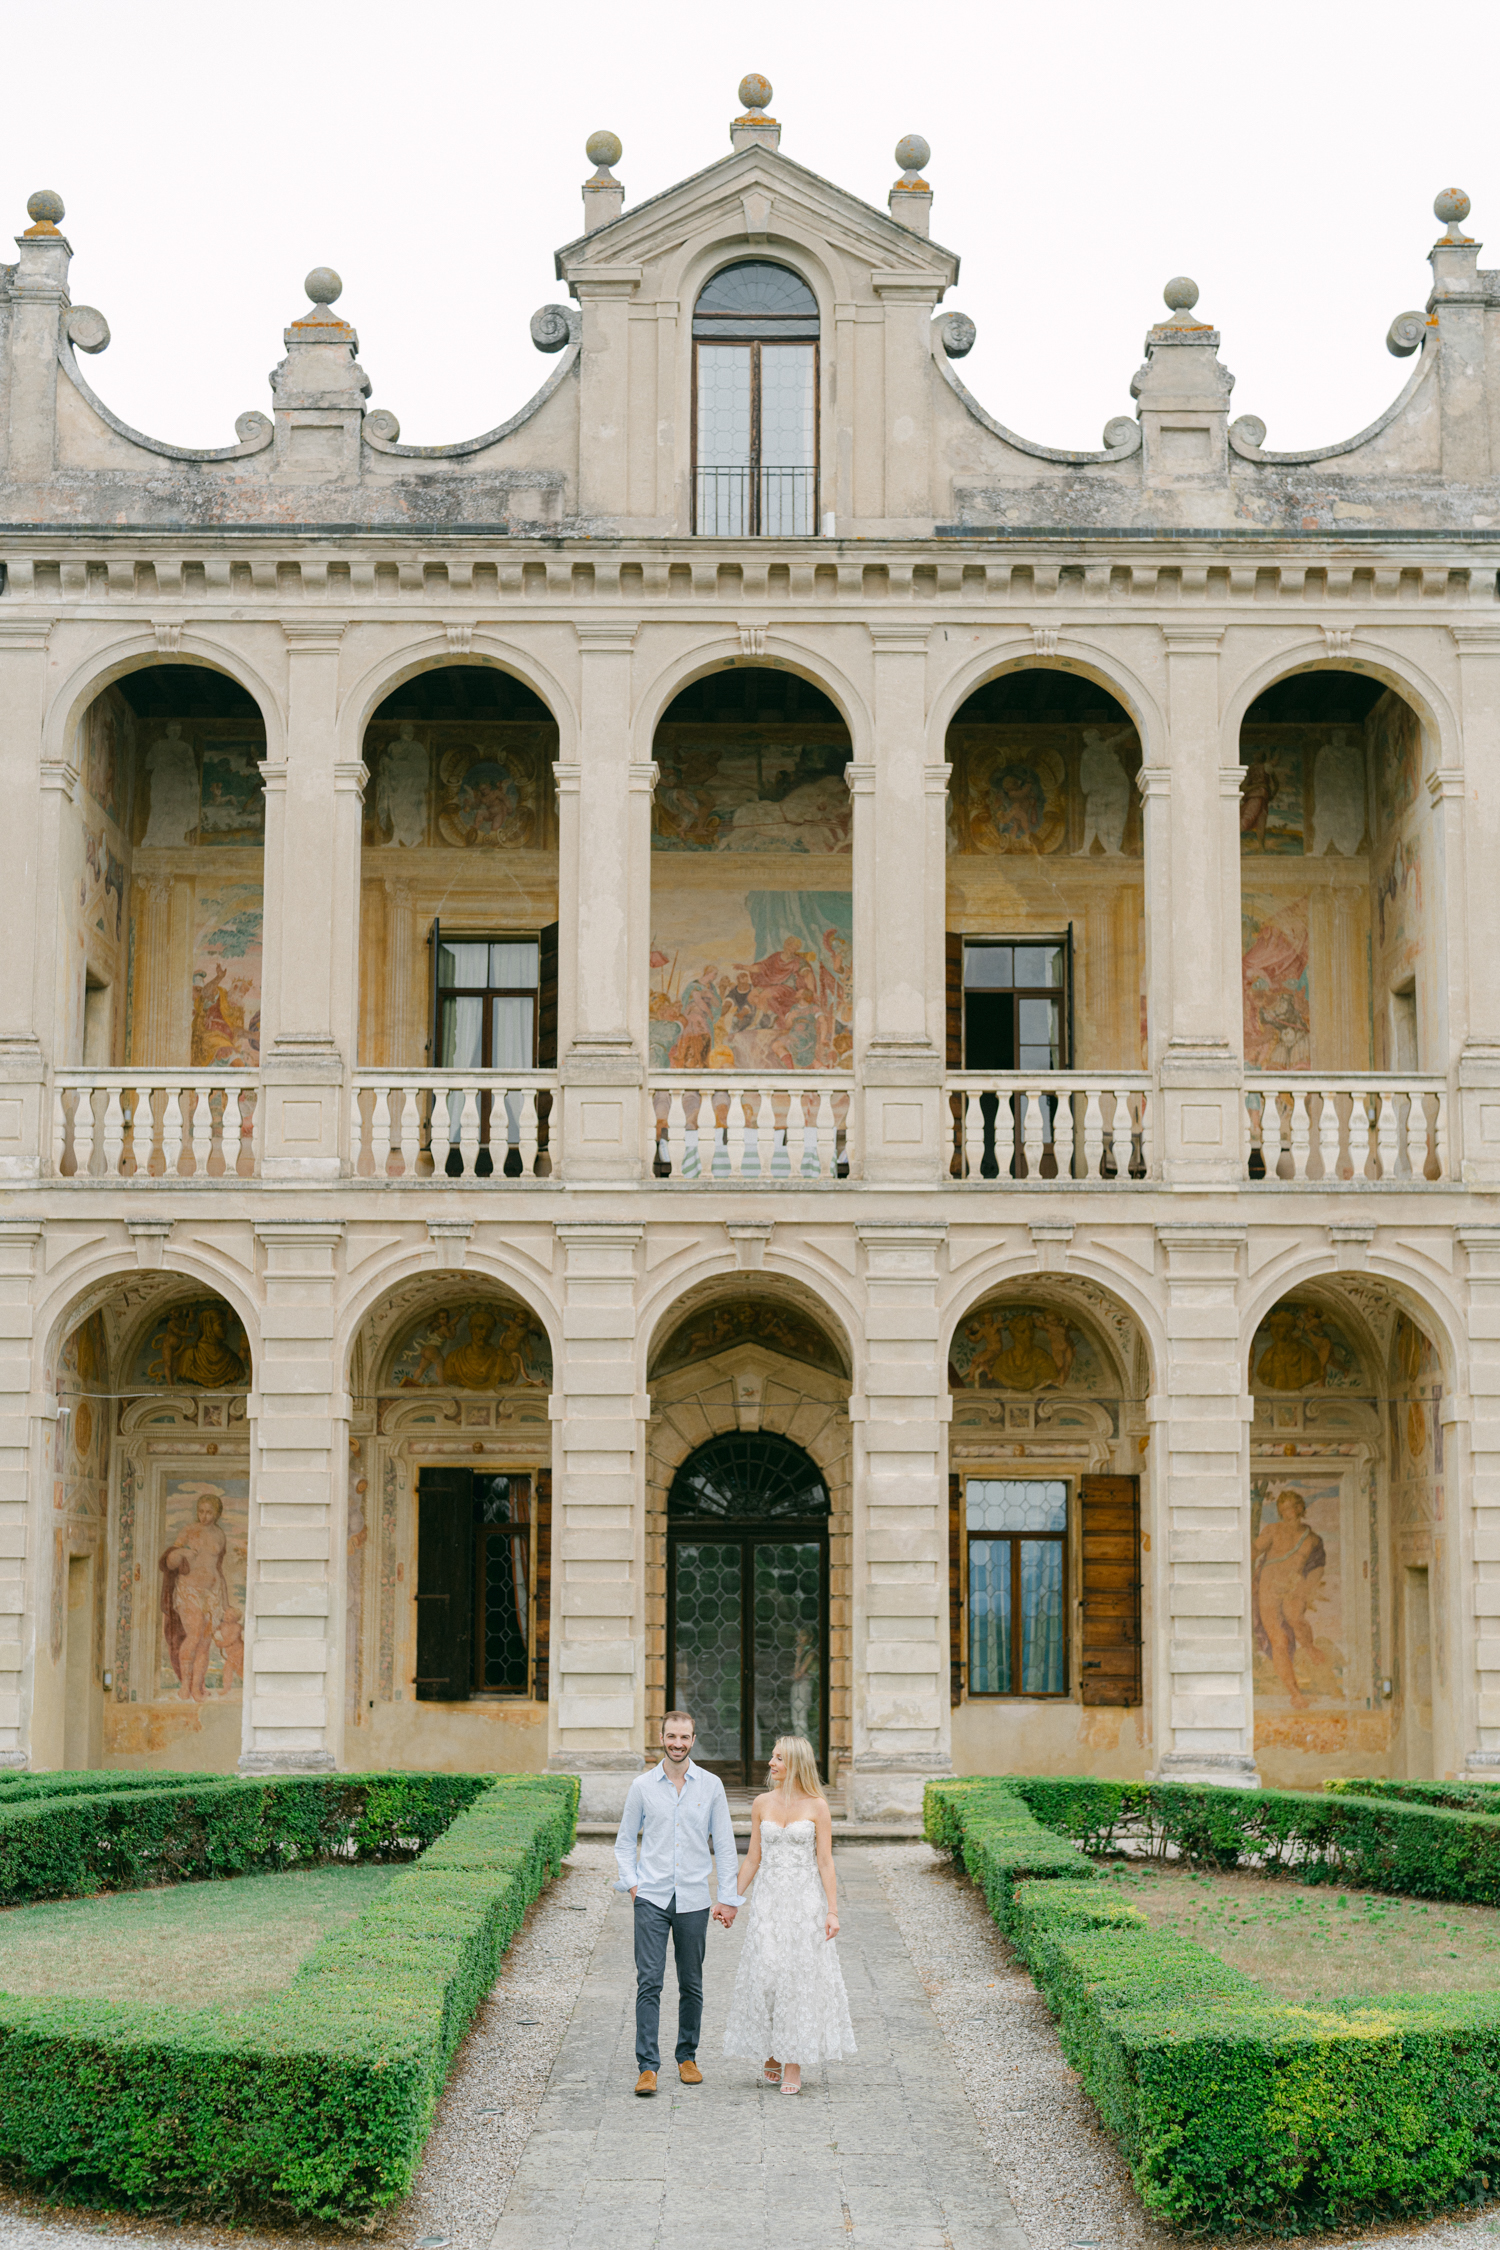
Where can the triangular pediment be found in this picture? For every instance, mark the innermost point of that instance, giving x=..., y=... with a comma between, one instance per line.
x=756, y=196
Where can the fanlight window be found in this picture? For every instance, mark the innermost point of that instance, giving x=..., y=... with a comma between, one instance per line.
x=755, y=386
x=748, y=1477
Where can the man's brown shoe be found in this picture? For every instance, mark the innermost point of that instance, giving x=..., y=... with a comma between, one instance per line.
x=690, y=2074
x=646, y=2083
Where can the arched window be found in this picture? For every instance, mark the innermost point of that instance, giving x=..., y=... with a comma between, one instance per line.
x=755, y=404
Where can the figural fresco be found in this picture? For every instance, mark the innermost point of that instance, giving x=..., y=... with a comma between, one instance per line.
x=1296, y=1589
x=1415, y=1440
x=204, y=1527
x=490, y=1345
x=226, y=976
x=717, y=1328
x=1300, y=1347
x=751, y=980
x=1025, y=1348
x=1277, y=1008
x=1036, y=791
x=485, y=785
x=759, y=793
x=198, y=1344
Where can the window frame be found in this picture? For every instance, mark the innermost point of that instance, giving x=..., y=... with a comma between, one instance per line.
x=538, y=1639
x=482, y=1533
x=983, y=941
x=485, y=993
x=1002, y=1473
x=755, y=467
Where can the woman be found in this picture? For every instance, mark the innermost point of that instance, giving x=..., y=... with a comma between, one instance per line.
x=789, y=1999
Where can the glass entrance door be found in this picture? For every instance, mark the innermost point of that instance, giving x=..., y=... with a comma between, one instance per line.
x=748, y=1645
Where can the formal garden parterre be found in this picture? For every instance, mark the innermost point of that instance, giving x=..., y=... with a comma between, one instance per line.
x=1236, y=2109
x=316, y=2099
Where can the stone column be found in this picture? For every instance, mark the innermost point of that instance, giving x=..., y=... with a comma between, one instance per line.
x=599, y=912
x=1196, y=1032
x=902, y=1733
x=29, y=879
x=1476, y=1128
x=294, y=1701
x=903, y=1056
x=1200, y=1513
x=25, y=1503
x=1476, y=1526
x=598, y=1698
x=308, y=984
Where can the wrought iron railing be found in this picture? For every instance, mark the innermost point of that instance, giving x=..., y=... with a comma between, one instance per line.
x=748, y=503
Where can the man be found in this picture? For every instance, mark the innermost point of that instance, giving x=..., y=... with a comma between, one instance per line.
x=674, y=1816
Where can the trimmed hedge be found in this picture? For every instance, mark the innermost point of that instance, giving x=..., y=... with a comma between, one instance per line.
x=1234, y=2110
x=18, y=1787
x=318, y=2101
x=1458, y=1796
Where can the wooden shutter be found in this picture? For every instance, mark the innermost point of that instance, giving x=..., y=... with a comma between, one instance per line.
x=445, y=1585
x=434, y=940
x=1110, y=1527
x=957, y=1570
x=546, y=1000
x=542, y=1645
x=954, y=946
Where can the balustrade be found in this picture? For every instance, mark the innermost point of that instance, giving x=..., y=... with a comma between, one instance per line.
x=1354, y=1128
x=739, y=1128
x=446, y=1125
x=161, y=1124
x=1066, y=1127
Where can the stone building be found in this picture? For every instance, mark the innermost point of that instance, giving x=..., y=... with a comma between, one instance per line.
x=751, y=1041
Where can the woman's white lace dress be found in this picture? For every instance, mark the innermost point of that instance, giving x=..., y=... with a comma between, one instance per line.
x=789, y=1999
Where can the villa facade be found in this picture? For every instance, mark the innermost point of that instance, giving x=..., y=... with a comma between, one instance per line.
x=751, y=1042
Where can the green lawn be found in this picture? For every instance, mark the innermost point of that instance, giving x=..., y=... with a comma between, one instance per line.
x=1314, y=1942
x=191, y=1945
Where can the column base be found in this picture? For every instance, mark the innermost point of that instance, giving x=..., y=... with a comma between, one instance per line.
x=1482, y=1763
x=882, y=1787
x=604, y=1778
x=13, y=1761
x=287, y=1761
x=1212, y=1769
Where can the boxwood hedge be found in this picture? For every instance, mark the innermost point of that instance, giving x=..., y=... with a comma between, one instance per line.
x=1235, y=2110
x=317, y=2101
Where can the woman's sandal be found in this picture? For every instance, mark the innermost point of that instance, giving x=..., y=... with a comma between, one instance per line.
x=786, y=2089
x=771, y=2073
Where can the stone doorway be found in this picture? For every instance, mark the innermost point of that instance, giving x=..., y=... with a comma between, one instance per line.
x=747, y=1600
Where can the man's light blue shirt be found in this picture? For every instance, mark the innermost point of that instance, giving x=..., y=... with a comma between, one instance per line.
x=666, y=1835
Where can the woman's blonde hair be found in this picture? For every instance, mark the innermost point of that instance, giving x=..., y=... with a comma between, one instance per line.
x=801, y=1776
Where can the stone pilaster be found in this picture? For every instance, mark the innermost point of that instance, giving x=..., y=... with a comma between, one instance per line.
x=1478, y=1537
x=294, y=1703
x=598, y=1686
x=901, y=1710
x=1477, y=945
x=1200, y=1508
x=25, y=1503
x=29, y=837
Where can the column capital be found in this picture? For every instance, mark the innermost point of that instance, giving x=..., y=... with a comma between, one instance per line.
x=1232, y=780
x=935, y=780
x=859, y=779
x=1445, y=781
x=1153, y=781
x=567, y=776
x=644, y=773
x=351, y=774
x=1476, y=640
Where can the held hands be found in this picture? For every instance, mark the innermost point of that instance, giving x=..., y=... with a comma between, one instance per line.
x=725, y=1915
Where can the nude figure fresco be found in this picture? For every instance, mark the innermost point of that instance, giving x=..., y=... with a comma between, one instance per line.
x=201, y=1570
x=1295, y=1593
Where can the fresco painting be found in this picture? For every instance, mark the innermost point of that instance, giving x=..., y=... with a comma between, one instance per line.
x=1338, y=814
x=487, y=797
x=751, y=980
x=226, y=976
x=402, y=783
x=1025, y=1348
x=1272, y=812
x=204, y=1540
x=105, y=761
x=489, y=1345
x=1398, y=904
x=717, y=1328
x=758, y=795
x=1274, y=936
x=172, y=789
x=1416, y=1430
x=1296, y=1590
x=232, y=802
x=1015, y=800
x=199, y=1344
x=1396, y=748
x=1300, y=1347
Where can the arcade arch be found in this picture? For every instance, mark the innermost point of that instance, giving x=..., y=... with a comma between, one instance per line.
x=448, y=1578
x=749, y=1563
x=141, y=1634
x=1353, y=1600
x=1049, y=1606
x=163, y=876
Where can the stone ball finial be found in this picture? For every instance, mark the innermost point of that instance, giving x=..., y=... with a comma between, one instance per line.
x=1180, y=294
x=755, y=91
x=45, y=207
x=1451, y=205
x=323, y=285
x=912, y=152
x=604, y=149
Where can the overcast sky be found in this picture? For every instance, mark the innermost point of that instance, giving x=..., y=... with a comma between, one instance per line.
x=1284, y=155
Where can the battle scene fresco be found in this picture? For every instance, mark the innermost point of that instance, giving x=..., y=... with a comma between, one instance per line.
x=203, y=1526
x=488, y=1345
x=751, y=980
